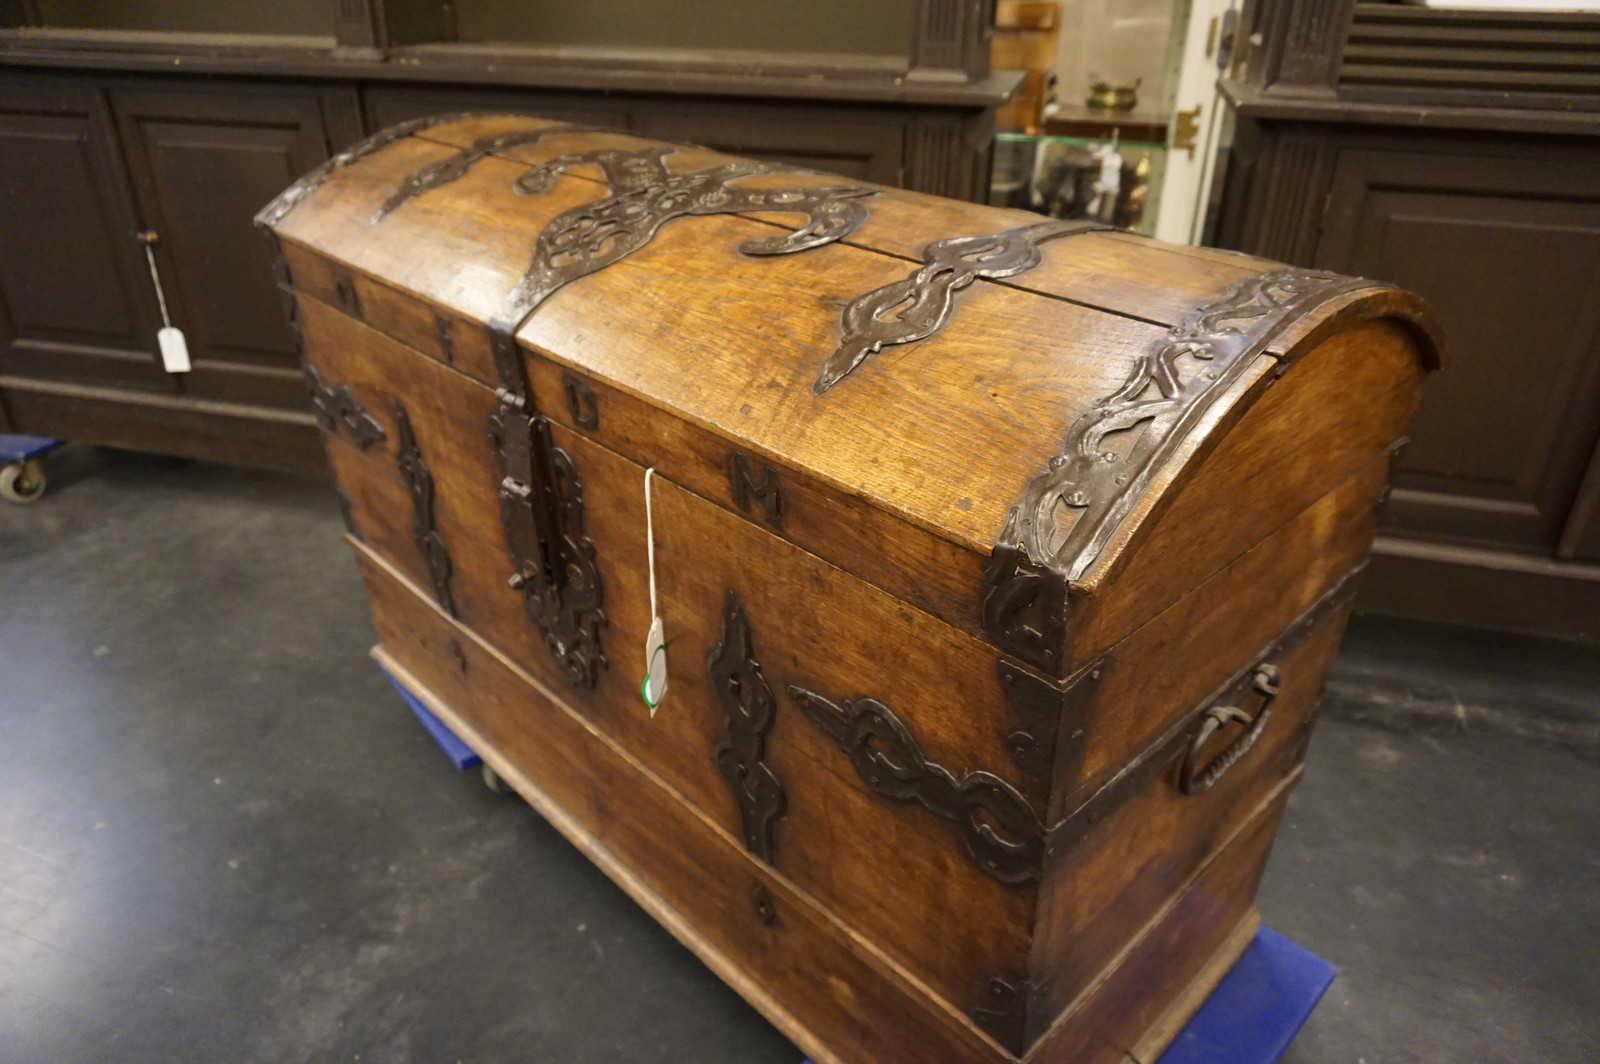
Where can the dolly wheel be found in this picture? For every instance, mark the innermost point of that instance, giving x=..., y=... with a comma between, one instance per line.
x=492, y=780
x=22, y=483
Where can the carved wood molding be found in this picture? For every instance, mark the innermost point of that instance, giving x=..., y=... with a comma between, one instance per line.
x=750, y=707
x=360, y=28
x=1302, y=45
x=950, y=38
x=1290, y=177
x=999, y=829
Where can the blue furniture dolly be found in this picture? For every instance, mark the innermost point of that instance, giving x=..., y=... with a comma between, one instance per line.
x=22, y=478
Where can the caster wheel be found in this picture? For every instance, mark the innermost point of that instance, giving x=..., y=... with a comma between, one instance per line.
x=492, y=780
x=22, y=483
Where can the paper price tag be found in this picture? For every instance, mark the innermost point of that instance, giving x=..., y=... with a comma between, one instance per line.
x=654, y=684
x=174, y=350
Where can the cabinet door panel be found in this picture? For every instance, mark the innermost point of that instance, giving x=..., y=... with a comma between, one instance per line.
x=1581, y=537
x=203, y=162
x=1504, y=239
x=76, y=302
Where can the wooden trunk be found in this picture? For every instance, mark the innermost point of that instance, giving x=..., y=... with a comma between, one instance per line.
x=999, y=559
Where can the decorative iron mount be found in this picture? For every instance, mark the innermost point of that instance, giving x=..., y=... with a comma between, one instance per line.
x=919, y=306
x=1005, y=1018
x=336, y=408
x=291, y=197
x=891, y=762
x=1071, y=510
x=748, y=703
x=541, y=507
x=419, y=482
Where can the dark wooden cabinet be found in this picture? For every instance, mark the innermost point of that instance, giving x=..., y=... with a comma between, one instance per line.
x=88, y=167
x=1505, y=239
x=1494, y=215
x=203, y=161
x=77, y=303
x=187, y=126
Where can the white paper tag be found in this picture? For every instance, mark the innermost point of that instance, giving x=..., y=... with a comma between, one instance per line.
x=654, y=684
x=174, y=350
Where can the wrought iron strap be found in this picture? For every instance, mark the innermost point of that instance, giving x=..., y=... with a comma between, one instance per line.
x=451, y=167
x=336, y=408
x=891, y=762
x=919, y=306
x=748, y=703
x=541, y=504
x=291, y=197
x=1069, y=511
x=419, y=482
x=643, y=196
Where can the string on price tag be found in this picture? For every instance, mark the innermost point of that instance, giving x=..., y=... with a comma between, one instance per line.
x=174, y=348
x=654, y=684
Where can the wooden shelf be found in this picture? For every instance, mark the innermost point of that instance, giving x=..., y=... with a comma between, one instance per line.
x=508, y=65
x=1080, y=121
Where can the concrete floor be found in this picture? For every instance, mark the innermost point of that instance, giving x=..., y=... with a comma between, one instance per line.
x=223, y=840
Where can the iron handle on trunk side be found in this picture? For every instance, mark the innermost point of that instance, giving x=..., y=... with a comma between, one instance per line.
x=1193, y=780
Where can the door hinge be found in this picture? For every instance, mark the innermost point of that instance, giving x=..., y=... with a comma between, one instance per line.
x=1185, y=129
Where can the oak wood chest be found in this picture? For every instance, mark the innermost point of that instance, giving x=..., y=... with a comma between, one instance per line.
x=999, y=559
